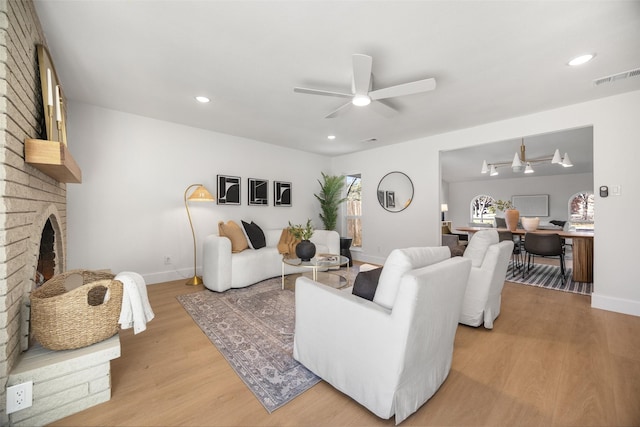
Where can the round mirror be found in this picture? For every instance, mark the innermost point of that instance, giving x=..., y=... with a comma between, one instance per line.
x=395, y=191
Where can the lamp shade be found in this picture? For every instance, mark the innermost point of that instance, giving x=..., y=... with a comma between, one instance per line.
x=556, y=158
x=494, y=171
x=528, y=169
x=566, y=161
x=485, y=167
x=444, y=207
x=201, y=194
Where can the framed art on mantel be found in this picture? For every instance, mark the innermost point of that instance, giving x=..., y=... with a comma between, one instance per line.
x=281, y=193
x=228, y=190
x=258, y=192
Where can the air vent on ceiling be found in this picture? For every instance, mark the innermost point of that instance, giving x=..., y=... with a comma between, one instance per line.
x=615, y=77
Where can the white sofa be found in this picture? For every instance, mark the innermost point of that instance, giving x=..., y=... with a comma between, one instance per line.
x=223, y=270
x=390, y=356
x=490, y=259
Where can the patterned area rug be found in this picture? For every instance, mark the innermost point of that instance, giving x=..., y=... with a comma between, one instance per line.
x=253, y=329
x=548, y=276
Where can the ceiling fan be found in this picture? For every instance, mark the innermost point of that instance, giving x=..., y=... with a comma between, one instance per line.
x=362, y=93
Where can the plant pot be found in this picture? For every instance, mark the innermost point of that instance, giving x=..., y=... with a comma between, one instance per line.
x=530, y=224
x=305, y=250
x=511, y=216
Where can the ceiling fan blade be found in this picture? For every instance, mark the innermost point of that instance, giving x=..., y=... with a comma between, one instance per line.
x=361, y=74
x=383, y=109
x=322, y=92
x=344, y=108
x=404, y=89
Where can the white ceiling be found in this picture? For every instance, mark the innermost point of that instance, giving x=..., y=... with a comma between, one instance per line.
x=491, y=60
x=465, y=164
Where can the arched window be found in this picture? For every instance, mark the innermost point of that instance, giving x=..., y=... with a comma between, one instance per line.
x=480, y=212
x=581, y=211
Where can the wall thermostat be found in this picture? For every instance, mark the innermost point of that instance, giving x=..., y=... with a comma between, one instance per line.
x=604, y=191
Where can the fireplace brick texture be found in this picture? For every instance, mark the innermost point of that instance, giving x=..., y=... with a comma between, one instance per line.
x=29, y=197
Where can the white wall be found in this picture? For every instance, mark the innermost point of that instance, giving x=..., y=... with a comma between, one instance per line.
x=559, y=189
x=616, y=153
x=129, y=212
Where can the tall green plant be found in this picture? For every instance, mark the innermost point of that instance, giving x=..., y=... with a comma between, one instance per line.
x=330, y=198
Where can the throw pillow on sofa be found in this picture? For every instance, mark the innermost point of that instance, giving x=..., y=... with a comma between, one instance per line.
x=255, y=234
x=233, y=232
x=366, y=283
x=287, y=244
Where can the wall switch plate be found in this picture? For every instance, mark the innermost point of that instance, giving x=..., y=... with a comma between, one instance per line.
x=616, y=190
x=19, y=396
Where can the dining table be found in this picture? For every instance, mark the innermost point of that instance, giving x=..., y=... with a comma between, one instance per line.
x=582, y=248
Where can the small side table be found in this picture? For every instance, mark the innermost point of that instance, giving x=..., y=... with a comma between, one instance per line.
x=345, y=244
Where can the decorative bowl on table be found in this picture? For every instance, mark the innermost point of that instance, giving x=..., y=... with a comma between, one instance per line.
x=530, y=224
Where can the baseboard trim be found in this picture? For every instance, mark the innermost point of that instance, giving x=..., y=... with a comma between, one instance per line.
x=618, y=305
x=168, y=276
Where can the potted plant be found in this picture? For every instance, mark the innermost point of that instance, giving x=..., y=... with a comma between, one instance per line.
x=330, y=197
x=511, y=214
x=305, y=249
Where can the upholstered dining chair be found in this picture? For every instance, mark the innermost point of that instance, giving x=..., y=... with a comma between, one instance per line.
x=516, y=255
x=544, y=245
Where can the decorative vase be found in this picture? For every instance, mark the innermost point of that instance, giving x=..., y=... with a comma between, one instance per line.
x=305, y=250
x=511, y=216
x=530, y=224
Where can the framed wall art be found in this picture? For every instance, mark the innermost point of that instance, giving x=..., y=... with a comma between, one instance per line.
x=228, y=190
x=532, y=205
x=258, y=192
x=281, y=193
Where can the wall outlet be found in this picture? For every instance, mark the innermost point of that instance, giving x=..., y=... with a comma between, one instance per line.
x=19, y=396
x=167, y=260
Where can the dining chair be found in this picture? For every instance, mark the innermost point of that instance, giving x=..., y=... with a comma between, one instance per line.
x=544, y=245
x=516, y=255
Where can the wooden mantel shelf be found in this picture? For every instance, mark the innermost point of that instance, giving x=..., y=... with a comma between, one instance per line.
x=54, y=159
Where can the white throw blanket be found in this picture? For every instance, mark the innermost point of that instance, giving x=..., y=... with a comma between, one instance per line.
x=136, y=310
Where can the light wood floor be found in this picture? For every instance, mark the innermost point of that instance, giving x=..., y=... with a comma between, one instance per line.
x=550, y=360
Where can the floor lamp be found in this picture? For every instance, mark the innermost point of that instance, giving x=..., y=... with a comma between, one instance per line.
x=200, y=194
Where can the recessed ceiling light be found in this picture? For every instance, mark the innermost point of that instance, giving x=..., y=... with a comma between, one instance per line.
x=331, y=137
x=582, y=59
x=202, y=99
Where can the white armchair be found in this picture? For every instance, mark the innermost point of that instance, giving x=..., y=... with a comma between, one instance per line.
x=391, y=360
x=490, y=259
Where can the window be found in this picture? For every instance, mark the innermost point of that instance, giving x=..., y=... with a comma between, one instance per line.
x=354, y=209
x=480, y=211
x=581, y=211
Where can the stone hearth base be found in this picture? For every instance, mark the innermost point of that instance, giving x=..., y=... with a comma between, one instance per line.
x=64, y=382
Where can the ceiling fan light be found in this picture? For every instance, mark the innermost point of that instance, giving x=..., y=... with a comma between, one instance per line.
x=494, y=171
x=485, y=167
x=361, y=100
x=556, y=157
x=566, y=161
x=528, y=169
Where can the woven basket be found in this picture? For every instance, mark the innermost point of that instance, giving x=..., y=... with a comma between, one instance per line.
x=64, y=320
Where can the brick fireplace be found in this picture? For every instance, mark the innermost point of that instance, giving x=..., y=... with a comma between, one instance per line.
x=33, y=230
x=30, y=199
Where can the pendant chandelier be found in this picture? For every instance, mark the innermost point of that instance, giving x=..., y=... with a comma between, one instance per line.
x=521, y=163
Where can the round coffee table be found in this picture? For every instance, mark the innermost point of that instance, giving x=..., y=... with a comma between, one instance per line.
x=319, y=263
